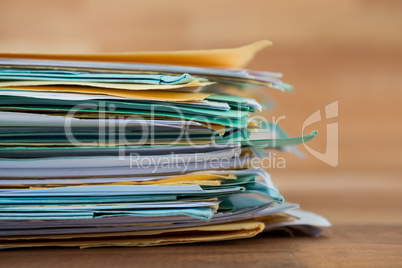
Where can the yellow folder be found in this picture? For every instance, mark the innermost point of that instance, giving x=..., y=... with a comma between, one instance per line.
x=229, y=58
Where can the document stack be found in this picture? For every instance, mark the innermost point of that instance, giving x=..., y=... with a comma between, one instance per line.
x=139, y=149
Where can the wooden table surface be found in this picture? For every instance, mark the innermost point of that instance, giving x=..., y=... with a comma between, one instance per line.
x=365, y=209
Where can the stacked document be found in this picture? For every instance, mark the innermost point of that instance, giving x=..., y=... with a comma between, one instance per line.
x=139, y=149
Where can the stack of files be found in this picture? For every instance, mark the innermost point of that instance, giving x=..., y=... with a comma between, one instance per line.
x=139, y=149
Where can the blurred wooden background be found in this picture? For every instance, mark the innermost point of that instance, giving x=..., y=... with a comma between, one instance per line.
x=348, y=51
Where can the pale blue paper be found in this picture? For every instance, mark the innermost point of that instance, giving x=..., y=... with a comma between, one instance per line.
x=42, y=75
